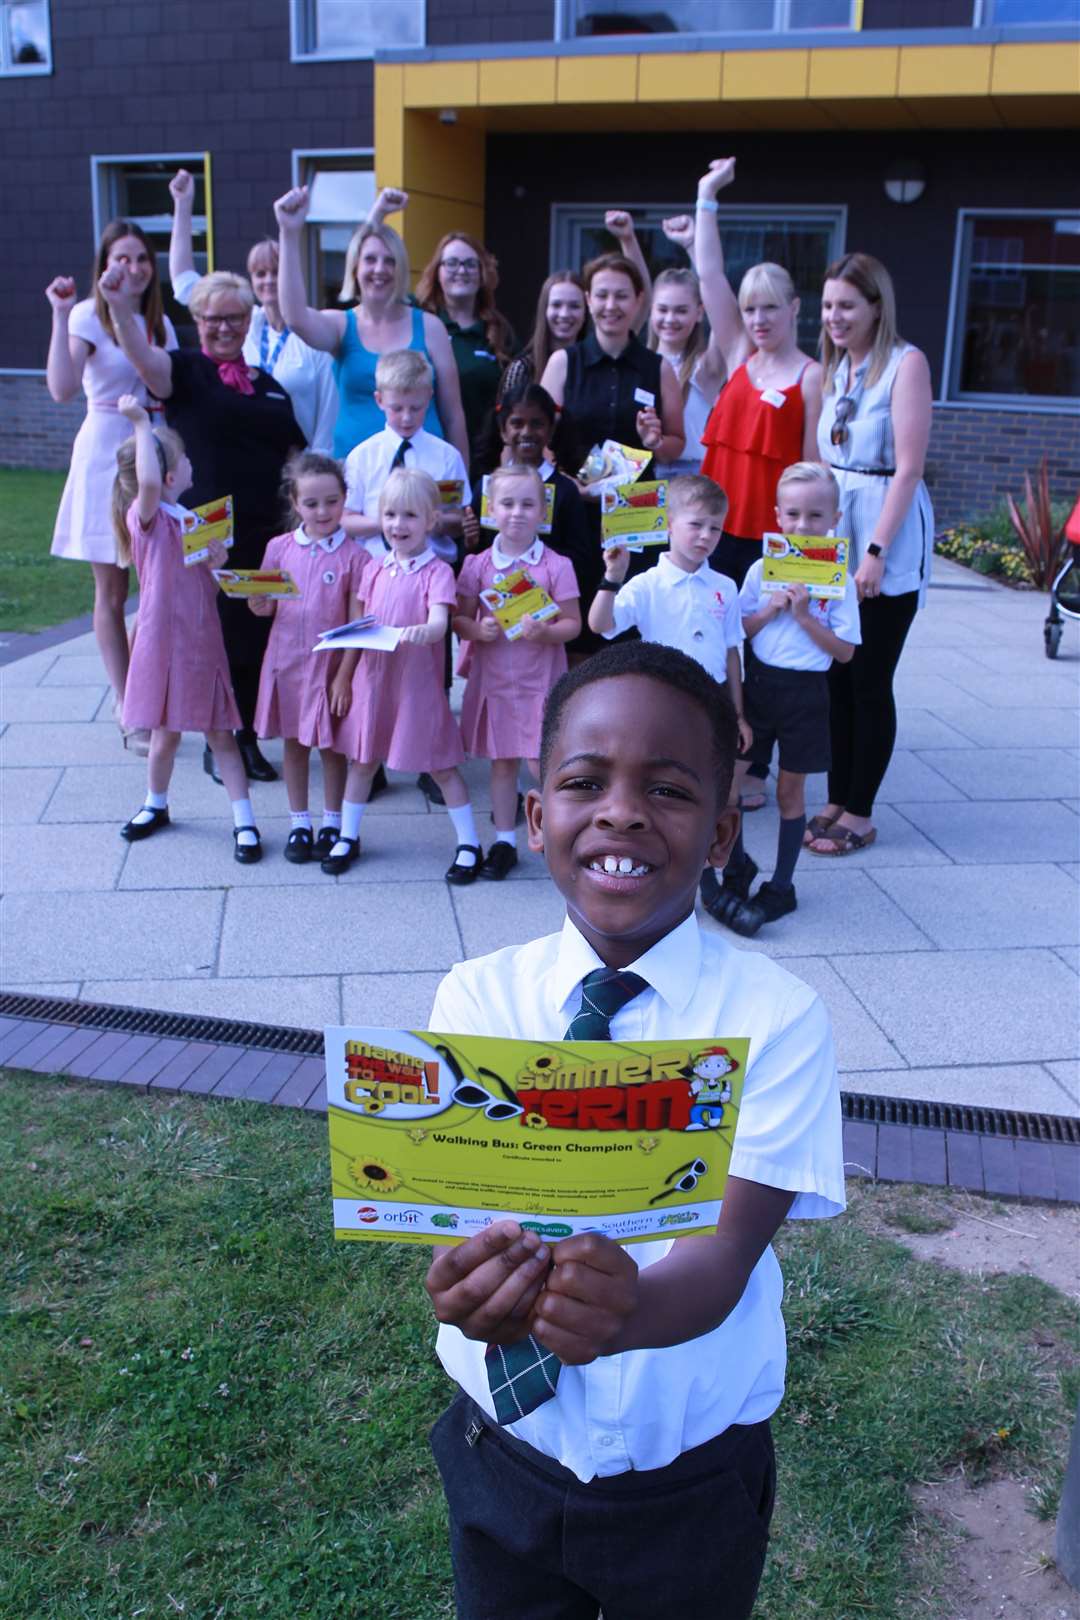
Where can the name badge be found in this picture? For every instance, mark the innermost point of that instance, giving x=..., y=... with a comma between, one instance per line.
x=773, y=397
x=643, y=397
x=483, y=354
x=270, y=395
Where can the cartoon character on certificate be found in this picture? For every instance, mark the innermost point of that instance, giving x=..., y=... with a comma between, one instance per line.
x=710, y=1088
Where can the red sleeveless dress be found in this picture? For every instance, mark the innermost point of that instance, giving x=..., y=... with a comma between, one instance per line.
x=748, y=443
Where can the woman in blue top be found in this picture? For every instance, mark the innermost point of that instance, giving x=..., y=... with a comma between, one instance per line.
x=381, y=322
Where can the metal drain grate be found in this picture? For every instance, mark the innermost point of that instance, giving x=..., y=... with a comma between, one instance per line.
x=960, y=1117
x=181, y=1026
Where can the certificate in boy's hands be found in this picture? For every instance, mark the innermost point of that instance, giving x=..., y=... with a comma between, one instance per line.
x=205, y=524
x=817, y=561
x=256, y=581
x=635, y=516
x=515, y=597
x=433, y=1137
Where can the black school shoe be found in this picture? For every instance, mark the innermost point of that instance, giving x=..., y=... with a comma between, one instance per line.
x=430, y=788
x=247, y=854
x=461, y=874
x=134, y=830
x=500, y=860
x=299, y=846
x=379, y=784
x=209, y=765
x=767, y=906
x=331, y=864
x=328, y=837
x=722, y=898
x=257, y=767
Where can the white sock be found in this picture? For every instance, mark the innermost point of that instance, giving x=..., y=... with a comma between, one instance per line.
x=352, y=814
x=244, y=816
x=156, y=801
x=153, y=801
x=506, y=837
x=301, y=818
x=331, y=818
x=464, y=830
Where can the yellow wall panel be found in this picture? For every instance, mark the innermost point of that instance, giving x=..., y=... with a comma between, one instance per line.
x=858, y=74
x=389, y=126
x=680, y=76
x=1036, y=70
x=765, y=76
x=428, y=218
x=443, y=160
x=597, y=78
x=518, y=82
x=440, y=84
x=945, y=70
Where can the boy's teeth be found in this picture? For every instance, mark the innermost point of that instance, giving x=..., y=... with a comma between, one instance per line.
x=619, y=866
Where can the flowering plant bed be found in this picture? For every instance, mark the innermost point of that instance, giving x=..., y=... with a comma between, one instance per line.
x=991, y=546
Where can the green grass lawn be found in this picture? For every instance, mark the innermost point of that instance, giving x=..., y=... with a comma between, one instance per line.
x=36, y=590
x=211, y=1409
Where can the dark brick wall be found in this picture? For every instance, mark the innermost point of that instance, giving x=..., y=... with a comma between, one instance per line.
x=485, y=22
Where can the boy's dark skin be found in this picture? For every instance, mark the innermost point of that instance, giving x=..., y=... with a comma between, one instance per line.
x=631, y=773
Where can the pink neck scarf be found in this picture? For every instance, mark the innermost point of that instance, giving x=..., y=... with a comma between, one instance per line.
x=234, y=374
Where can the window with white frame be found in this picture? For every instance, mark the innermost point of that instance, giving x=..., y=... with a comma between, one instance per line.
x=137, y=188
x=592, y=18
x=803, y=239
x=25, y=36
x=342, y=185
x=350, y=28
x=1015, y=309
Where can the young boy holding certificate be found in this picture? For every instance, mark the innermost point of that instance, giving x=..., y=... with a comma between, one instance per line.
x=628, y=1467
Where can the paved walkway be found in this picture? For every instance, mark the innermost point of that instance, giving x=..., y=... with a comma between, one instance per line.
x=947, y=953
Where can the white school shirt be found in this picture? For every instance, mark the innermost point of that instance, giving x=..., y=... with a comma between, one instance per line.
x=367, y=468
x=783, y=642
x=696, y=613
x=643, y=1408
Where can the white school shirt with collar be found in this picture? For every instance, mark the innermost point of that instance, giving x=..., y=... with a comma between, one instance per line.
x=408, y=565
x=367, y=468
x=525, y=559
x=643, y=1408
x=328, y=543
x=696, y=613
x=783, y=642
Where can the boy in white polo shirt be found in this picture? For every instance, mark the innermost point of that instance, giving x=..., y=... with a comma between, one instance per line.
x=640, y=1481
x=791, y=639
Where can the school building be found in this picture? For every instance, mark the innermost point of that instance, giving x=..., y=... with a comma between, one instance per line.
x=936, y=134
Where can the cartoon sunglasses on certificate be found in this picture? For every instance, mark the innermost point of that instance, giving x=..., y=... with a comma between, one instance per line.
x=433, y=1137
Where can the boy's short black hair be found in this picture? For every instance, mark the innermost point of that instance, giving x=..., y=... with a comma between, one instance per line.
x=656, y=663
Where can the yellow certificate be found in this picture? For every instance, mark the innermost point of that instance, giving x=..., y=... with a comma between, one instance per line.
x=205, y=524
x=433, y=1137
x=451, y=491
x=635, y=515
x=816, y=561
x=515, y=597
x=256, y=582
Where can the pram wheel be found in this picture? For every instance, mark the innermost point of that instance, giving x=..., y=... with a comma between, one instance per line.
x=1052, y=637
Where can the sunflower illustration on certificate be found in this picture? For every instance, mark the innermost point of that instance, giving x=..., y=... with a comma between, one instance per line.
x=434, y=1136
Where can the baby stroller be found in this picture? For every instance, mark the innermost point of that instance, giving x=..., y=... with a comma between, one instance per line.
x=1065, y=591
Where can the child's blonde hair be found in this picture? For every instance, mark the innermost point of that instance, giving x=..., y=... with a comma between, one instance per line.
x=404, y=368
x=809, y=472
x=170, y=447
x=411, y=485
x=306, y=464
x=694, y=489
x=514, y=469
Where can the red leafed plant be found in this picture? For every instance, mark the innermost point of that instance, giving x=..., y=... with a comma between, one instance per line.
x=1042, y=538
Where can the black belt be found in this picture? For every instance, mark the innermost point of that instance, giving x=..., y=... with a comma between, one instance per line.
x=865, y=472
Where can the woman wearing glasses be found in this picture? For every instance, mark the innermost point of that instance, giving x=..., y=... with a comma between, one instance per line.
x=873, y=432
x=239, y=430
x=458, y=286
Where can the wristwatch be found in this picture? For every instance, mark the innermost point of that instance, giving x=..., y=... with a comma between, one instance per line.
x=874, y=550
x=609, y=585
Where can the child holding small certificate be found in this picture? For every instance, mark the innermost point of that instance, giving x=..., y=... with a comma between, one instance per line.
x=512, y=668
x=179, y=675
x=302, y=694
x=792, y=638
x=400, y=715
x=609, y=1445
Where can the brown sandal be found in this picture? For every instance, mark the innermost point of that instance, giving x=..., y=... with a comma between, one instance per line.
x=817, y=827
x=846, y=840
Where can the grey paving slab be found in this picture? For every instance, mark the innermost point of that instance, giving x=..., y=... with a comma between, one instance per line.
x=301, y=1003
x=242, y=1074
x=986, y=834
x=46, y=705
x=964, y=1158
x=915, y=691
x=66, y=989
x=30, y=671
x=309, y=1076
x=84, y=1063
x=316, y=1103
x=920, y=728
x=62, y=744
x=272, y=1077
x=860, y=1148
x=340, y=930
x=1071, y=869
x=68, y=1050
x=957, y=906
x=215, y=1066
x=1067, y=1076
x=860, y=1044
x=198, y=854
x=1022, y=1087
x=120, y=1064
x=40, y=859
x=1070, y=955
x=1057, y=691
x=492, y=915
x=967, y=1007
x=136, y=936
x=17, y=1037
x=394, y=1000
x=25, y=793
x=839, y=910
x=913, y=777
x=1008, y=728
x=158, y=1056
x=45, y=1042
x=113, y=793
x=1004, y=773
x=179, y=1067
x=75, y=669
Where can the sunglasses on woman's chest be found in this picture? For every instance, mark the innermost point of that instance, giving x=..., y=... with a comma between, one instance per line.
x=845, y=410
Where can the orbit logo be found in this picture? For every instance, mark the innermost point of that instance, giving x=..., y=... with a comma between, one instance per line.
x=367, y=1215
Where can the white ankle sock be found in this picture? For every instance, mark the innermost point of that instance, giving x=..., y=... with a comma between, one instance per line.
x=464, y=830
x=352, y=814
x=152, y=802
x=331, y=818
x=301, y=818
x=244, y=816
x=506, y=837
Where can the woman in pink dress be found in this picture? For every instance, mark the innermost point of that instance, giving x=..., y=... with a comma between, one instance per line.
x=302, y=693
x=400, y=715
x=511, y=676
x=179, y=676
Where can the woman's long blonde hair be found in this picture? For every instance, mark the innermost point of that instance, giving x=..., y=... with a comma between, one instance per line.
x=386, y=234
x=870, y=277
x=170, y=447
x=697, y=342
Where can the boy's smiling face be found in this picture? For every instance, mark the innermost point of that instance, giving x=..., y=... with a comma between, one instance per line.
x=631, y=778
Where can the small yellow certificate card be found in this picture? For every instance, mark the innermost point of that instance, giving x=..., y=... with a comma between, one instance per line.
x=204, y=524
x=433, y=1137
x=635, y=515
x=816, y=561
x=256, y=581
x=451, y=491
x=515, y=597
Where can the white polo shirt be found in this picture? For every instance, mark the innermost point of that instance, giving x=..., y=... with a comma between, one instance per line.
x=783, y=642
x=643, y=1408
x=696, y=613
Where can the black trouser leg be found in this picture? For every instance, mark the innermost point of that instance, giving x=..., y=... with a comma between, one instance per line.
x=862, y=709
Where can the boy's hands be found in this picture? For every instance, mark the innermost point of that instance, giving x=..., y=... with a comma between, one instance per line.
x=61, y=294
x=291, y=210
x=799, y=601
x=129, y=407
x=487, y=1286
x=616, y=563
x=589, y=1296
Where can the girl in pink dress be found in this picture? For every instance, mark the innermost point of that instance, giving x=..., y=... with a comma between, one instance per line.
x=509, y=679
x=303, y=693
x=179, y=678
x=400, y=715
